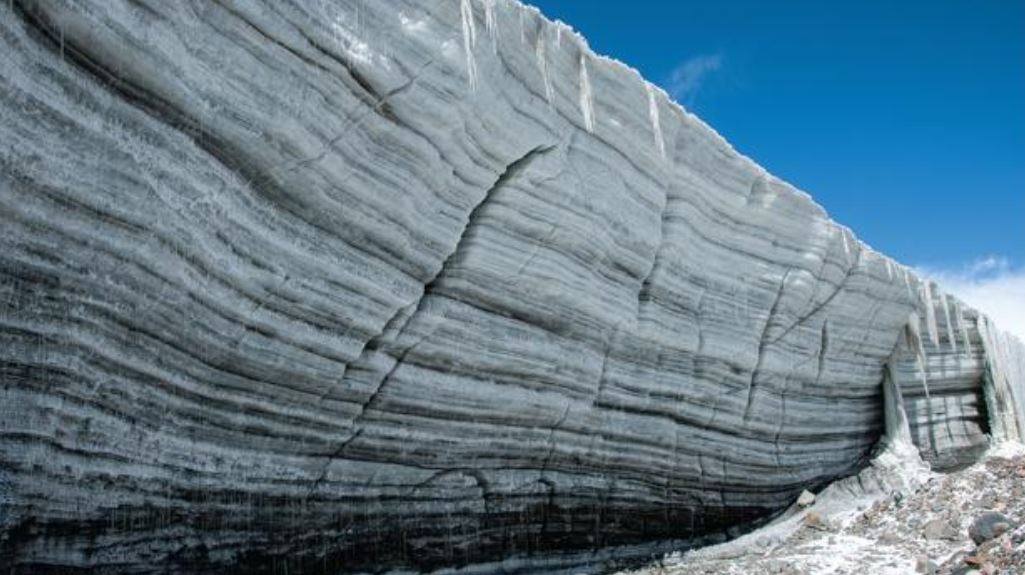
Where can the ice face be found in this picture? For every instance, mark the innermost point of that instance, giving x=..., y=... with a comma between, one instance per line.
x=353, y=265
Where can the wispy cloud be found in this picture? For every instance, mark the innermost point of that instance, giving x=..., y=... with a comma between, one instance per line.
x=992, y=285
x=686, y=80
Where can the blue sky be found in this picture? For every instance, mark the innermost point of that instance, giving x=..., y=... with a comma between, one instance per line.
x=906, y=120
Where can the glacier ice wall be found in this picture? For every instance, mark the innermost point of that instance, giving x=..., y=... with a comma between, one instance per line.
x=333, y=285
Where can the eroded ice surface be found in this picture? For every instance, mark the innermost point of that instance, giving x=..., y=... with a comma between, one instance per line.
x=341, y=285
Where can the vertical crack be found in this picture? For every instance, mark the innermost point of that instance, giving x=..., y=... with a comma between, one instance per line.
x=551, y=438
x=644, y=294
x=820, y=358
x=763, y=343
x=600, y=388
x=836, y=292
x=542, y=476
x=823, y=344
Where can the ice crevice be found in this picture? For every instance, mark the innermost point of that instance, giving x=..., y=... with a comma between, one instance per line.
x=395, y=333
x=509, y=172
x=763, y=343
x=837, y=290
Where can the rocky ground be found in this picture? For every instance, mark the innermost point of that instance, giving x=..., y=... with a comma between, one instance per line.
x=968, y=521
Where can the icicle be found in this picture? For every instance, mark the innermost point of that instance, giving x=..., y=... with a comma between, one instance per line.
x=586, y=101
x=656, y=125
x=558, y=36
x=963, y=325
x=542, y=64
x=930, y=313
x=983, y=328
x=889, y=269
x=955, y=314
x=523, y=25
x=895, y=416
x=358, y=18
x=922, y=374
x=846, y=245
x=998, y=424
x=469, y=41
x=907, y=282
x=1003, y=376
x=950, y=325
x=915, y=331
x=491, y=23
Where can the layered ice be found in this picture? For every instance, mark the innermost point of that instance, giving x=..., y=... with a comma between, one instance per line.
x=354, y=285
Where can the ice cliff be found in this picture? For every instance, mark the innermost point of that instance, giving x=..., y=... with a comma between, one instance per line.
x=325, y=286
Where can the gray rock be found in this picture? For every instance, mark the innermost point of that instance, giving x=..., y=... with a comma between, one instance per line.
x=1018, y=536
x=890, y=538
x=806, y=498
x=989, y=525
x=925, y=565
x=940, y=529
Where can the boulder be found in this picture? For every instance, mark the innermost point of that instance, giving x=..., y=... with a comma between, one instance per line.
x=989, y=525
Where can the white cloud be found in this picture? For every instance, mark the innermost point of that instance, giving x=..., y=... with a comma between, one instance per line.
x=686, y=80
x=991, y=285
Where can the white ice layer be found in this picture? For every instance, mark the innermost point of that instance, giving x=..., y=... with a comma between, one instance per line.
x=656, y=124
x=586, y=97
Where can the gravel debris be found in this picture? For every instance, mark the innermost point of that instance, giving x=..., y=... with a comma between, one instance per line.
x=968, y=521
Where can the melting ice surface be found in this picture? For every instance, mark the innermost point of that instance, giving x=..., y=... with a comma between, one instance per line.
x=586, y=99
x=950, y=324
x=930, y=313
x=469, y=40
x=656, y=125
x=542, y=64
x=491, y=23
